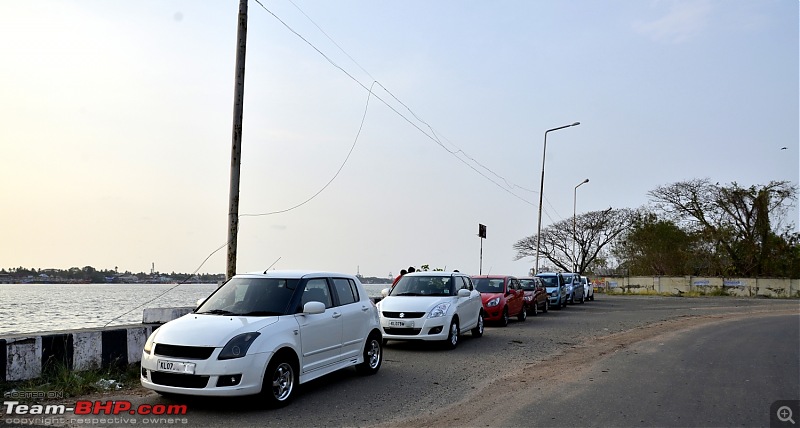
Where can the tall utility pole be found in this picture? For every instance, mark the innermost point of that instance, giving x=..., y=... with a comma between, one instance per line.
x=236, y=147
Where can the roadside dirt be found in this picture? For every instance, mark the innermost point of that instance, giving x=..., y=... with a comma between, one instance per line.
x=536, y=379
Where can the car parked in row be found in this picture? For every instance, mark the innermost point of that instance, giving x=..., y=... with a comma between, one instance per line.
x=266, y=333
x=502, y=297
x=588, y=288
x=536, y=298
x=574, y=287
x=555, y=287
x=431, y=306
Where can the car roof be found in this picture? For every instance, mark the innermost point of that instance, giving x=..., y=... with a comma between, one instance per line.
x=493, y=276
x=549, y=274
x=294, y=274
x=434, y=273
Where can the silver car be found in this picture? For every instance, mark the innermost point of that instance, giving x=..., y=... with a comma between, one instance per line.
x=574, y=287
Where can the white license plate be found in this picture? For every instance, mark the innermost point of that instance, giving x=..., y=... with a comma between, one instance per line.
x=401, y=324
x=176, y=366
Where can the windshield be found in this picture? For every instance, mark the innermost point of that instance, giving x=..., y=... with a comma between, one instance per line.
x=424, y=286
x=529, y=284
x=251, y=297
x=549, y=281
x=488, y=285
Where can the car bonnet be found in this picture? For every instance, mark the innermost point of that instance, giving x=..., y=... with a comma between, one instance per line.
x=413, y=303
x=209, y=330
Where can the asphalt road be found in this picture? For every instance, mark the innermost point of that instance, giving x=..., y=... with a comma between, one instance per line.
x=723, y=374
x=620, y=360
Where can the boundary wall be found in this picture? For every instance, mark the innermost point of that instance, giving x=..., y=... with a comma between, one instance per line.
x=740, y=287
x=25, y=356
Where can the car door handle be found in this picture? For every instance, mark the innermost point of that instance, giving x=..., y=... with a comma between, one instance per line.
x=337, y=314
x=364, y=309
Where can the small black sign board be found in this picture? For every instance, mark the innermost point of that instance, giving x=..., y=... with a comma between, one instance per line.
x=482, y=230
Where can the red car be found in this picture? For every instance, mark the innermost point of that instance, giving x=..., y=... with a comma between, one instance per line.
x=502, y=297
x=536, y=298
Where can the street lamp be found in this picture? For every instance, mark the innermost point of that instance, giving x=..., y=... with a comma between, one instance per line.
x=574, y=230
x=541, y=192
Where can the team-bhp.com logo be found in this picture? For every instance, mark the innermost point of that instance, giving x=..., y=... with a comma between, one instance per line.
x=90, y=412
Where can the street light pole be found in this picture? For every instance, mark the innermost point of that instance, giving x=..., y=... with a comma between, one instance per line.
x=574, y=229
x=541, y=192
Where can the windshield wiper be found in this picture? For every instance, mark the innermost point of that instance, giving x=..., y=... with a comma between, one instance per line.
x=216, y=312
x=262, y=314
x=406, y=294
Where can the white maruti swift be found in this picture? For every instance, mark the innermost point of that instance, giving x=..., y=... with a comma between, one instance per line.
x=265, y=333
x=431, y=306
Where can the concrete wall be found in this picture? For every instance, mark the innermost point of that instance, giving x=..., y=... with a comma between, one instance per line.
x=743, y=287
x=25, y=356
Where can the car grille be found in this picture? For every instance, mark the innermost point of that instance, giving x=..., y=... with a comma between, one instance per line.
x=388, y=314
x=179, y=380
x=188, y=352
x=402, y=331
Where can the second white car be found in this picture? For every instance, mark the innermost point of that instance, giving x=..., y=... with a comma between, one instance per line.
x=431, y=306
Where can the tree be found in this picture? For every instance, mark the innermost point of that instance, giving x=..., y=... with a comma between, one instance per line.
x=742, y=226
x=594, y=230
x=654, y=246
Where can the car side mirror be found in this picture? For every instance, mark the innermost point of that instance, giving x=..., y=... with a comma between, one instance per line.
x=463, y=292
x=385, y=292
x=314, y=307
x=199, y=302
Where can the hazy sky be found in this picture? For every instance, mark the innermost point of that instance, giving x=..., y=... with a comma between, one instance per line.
x=115, y=124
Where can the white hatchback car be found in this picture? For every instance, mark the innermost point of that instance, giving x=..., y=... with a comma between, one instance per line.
x=265, y=333
x=435, y=306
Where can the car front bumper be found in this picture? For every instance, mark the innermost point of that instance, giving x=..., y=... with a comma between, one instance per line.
x=416, y=329
x=207, y=374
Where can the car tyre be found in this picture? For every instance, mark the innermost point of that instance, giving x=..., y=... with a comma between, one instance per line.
x=373, y=356
x=279, y=382
x=534, y=309
x=452, y=337
x=522, y=315
x=504, y=318
x=564, y=304
x=546, y=305
x=478, y=330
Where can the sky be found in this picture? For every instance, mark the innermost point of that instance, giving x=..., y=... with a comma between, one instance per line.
x=116, y=123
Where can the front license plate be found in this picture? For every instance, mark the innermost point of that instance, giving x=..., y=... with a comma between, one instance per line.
x=176, y=366
x=401, y=324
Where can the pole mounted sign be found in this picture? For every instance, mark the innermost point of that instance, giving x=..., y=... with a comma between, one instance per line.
x=482, y=235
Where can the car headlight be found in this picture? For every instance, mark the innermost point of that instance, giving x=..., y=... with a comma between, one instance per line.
x=439, y=310
x=148, y=346
x=492, y=303
x=554, y=294
x=238, y=346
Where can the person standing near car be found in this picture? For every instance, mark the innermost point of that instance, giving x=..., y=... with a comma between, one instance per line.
x=397, y=278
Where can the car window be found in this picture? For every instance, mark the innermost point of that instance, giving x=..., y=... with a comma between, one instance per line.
x=489, y=285
x=316, y=290
x=251, y=296
x=424, y=286
x=466, y=283
x=346, y=290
